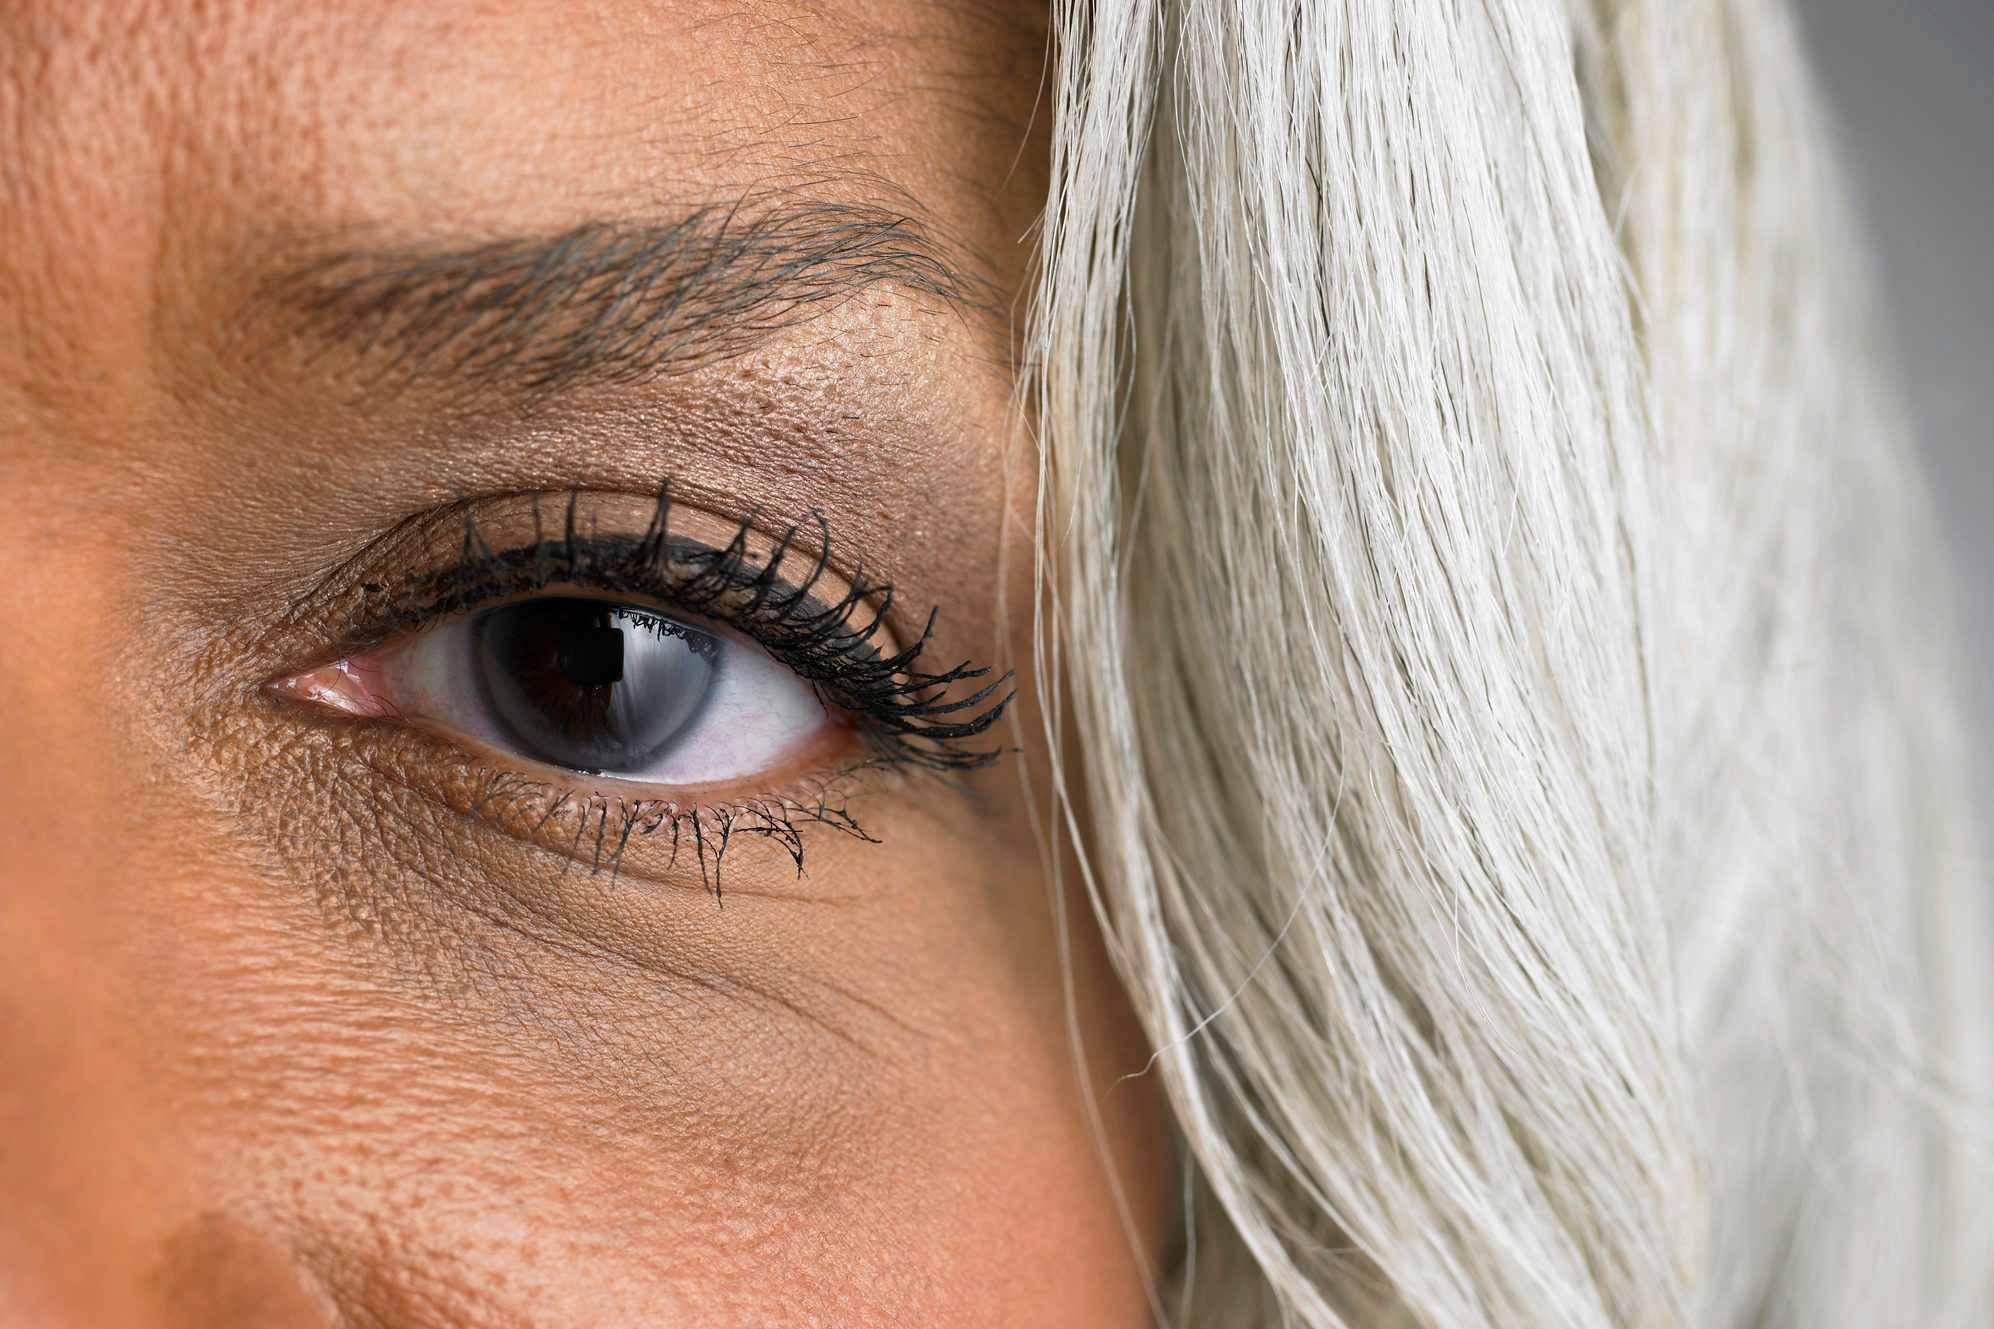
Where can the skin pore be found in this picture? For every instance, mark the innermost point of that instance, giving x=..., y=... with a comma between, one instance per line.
x=310, y=1018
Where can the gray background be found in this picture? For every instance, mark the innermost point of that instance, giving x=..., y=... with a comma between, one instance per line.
x=1911, y=85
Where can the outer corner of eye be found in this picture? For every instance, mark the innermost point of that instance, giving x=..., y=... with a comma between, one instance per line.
x=346, y=687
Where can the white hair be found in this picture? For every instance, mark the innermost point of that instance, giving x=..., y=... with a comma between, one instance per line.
x=1516, y=758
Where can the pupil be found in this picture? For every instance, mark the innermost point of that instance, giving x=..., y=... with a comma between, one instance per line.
x=588, y=684
x=591, y=655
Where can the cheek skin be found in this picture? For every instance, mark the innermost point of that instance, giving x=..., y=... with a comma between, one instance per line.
x=79, y=1110
x=239, y=1113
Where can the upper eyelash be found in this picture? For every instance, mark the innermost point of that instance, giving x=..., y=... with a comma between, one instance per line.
x=910, y=713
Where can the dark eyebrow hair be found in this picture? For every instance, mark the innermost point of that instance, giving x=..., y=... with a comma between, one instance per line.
x=603, y=303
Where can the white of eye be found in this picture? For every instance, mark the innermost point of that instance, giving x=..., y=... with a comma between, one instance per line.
x=606, y=688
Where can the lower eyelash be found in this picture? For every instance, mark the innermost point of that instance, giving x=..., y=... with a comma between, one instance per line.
x=605, y=825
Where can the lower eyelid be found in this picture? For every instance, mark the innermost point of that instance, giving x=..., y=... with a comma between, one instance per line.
x=671, y=838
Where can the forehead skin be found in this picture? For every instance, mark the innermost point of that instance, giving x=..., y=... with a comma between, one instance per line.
x=263, y=1063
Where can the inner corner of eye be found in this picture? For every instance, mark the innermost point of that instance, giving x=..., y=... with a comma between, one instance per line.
x=348, y=687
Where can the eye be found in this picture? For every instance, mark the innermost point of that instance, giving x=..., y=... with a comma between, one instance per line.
x=597, y=686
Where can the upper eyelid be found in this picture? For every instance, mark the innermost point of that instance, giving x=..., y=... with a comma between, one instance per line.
x=501, y=575
x=469, y=545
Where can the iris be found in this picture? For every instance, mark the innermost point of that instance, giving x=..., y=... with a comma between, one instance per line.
x=589, y=684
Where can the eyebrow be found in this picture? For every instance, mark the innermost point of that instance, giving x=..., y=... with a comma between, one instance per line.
x=601, y=303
